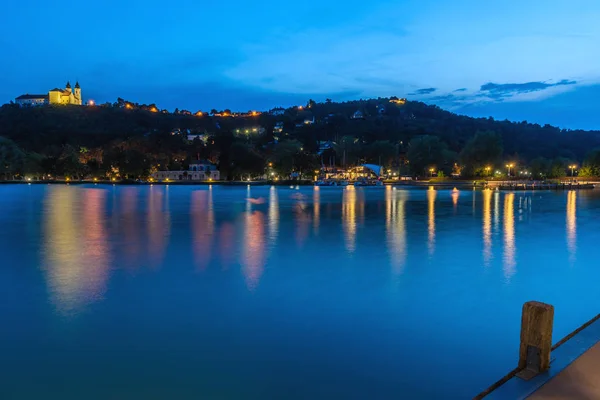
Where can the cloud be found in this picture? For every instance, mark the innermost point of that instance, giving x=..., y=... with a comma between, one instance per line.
x=423, y=91
x=460, y=90
x=501, y=91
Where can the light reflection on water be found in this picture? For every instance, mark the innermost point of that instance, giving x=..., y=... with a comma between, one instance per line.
x=76, y=249
x=487, y=227
x=509, y=235
x=431, y=195
x=395, y=224
x=572, y=224
x=309, y=270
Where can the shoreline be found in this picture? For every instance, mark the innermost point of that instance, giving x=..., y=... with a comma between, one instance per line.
x=462, y=184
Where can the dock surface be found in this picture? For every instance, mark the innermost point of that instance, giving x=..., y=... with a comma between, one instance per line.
x=580, y=380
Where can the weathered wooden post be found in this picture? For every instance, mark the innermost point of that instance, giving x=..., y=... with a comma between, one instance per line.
x=536, y=339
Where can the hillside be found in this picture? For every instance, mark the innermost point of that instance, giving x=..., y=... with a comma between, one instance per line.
x=110, y=137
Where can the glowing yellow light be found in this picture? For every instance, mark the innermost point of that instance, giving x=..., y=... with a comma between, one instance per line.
x=95, y=179
x=91, y=103
x=68, y=179
x=114, y=179
x=270, y=164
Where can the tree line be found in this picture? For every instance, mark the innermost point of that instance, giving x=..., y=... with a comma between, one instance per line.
x=411, y=138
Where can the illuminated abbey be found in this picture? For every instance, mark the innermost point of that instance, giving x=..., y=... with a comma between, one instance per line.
x=54, y=96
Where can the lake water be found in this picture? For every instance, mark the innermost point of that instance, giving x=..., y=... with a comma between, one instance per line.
x=183, y=292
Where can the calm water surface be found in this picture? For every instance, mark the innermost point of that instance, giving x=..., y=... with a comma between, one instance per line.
x=187, y=292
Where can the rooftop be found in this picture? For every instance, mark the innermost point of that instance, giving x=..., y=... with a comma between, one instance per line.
x=32, y=96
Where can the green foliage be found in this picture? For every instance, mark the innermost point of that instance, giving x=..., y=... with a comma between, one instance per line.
x=540, y=167
x=559, y=167
x=94, y=141
x=481, y=151
x=425, y=152
x=12, y=159
x=591, y=164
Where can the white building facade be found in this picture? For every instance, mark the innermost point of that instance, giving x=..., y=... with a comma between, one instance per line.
x=199, y=172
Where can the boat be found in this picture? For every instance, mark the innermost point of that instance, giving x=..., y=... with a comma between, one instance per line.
x=365, y=182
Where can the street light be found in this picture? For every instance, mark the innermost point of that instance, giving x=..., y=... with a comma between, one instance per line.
x=572, y=167
x=431, y=172
x=509, y=166
x=487, y=170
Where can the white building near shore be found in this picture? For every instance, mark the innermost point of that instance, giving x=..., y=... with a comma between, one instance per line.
x=199, y=172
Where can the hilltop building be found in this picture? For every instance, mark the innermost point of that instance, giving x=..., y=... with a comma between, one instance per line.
x=54, y=96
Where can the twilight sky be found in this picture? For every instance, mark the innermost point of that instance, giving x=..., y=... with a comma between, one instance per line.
x=535, y=60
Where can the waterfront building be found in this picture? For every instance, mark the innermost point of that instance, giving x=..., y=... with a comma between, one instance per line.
x=197, y=171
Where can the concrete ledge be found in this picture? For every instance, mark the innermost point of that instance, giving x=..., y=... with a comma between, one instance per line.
x=561, y=358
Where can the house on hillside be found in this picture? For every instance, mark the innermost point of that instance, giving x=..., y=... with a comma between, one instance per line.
x=277, y=111
x=358, y=115
x=398, y=101
x=278, y=128
x=324, y=146
x=252, y=130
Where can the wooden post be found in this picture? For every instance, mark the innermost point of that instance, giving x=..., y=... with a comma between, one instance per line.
x=536, y=339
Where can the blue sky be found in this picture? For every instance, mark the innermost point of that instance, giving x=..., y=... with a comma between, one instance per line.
x=522, y=60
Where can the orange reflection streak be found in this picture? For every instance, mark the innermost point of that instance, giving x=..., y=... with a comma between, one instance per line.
x=487, y=226
x=131, y=224
x=158, y=224
x=455, y=195
x=77, y=252
x=253, y=261
x=509, y=235
x=431, y=195
x=316, y=209
x=273, y=216
x=349, y=217
x=203, y=227
x=572, y=224
x=395, y=228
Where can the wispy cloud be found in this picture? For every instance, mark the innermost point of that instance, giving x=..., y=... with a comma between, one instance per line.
x=423, y=91
x=460, y=90
x=504, y=90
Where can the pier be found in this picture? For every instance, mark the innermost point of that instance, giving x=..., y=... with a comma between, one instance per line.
x=538, y=185
x=569, y=369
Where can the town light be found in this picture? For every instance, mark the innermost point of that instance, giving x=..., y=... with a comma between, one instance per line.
x=572, y=167
x=509, y=166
